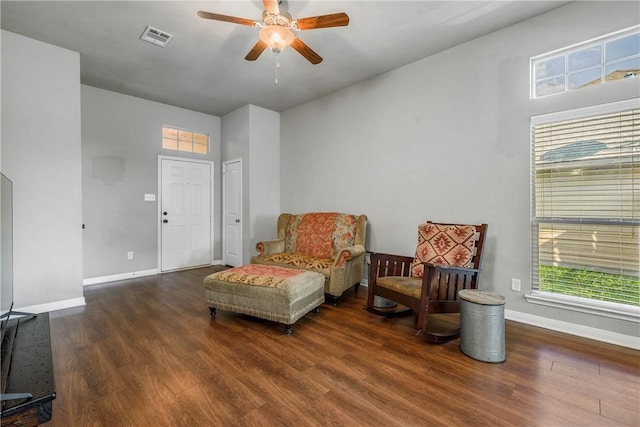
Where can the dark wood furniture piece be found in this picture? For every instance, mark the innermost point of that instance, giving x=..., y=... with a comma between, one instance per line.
x=436, y=292
x=31, y=372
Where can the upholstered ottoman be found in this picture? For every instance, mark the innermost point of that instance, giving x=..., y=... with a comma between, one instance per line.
x=279, y=294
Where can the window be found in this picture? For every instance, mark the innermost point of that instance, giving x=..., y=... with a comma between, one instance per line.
x=586, y=208
x=610, y=58
x=184, y=140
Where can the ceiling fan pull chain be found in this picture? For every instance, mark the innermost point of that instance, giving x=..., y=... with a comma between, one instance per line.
x=277, y=67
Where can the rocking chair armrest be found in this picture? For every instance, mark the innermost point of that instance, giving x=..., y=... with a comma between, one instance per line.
x=447, y=269
x=383, y=264
x=379, y=256
x=439, y=278
x=270, y=247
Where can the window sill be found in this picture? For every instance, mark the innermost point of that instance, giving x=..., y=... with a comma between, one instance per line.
x=584, y=305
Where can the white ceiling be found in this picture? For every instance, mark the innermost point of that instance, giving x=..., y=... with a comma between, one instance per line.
x=203, y=67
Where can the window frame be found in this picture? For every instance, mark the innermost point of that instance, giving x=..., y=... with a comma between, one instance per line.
x=575, y=303
x=178, y=140
x=566, y=52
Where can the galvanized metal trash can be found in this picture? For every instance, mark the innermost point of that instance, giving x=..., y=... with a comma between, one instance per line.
x=482, y=325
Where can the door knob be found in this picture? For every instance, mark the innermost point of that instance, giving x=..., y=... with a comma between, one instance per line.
x=165, y=221
x=164, y=213
x=237, y=220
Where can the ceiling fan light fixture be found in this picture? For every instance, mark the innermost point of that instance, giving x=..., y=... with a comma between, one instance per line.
x=276, y=37
x=276, y=29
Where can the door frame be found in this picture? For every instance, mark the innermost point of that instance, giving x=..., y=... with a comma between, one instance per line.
x=159, y=204
x=224, y=209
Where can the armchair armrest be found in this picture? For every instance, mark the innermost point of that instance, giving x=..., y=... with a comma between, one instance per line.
x=348, y=253
x=270, y=247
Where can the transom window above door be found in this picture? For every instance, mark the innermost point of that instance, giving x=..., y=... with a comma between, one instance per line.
x=184, y=140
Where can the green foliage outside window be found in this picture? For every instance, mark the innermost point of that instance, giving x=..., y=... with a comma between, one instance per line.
x=593, y=284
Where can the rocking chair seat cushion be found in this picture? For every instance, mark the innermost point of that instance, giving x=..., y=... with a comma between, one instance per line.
x=444, y=244
x=410, y=286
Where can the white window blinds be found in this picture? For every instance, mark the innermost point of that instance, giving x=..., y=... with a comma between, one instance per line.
x=586, y=203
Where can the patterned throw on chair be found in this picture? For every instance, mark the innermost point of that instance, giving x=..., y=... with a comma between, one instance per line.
x=320, y=235
x=312, y=241
x=444, y=244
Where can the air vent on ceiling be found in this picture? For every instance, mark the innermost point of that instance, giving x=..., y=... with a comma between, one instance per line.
x=156, y=36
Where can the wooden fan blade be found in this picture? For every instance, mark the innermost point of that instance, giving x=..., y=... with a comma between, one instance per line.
x=323, y=21
x=255, y=52
x=271, y=6
x=306, y=51
x=226, y=18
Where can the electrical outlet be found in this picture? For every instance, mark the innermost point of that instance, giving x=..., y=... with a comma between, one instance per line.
x=129, y=255
x=515, y=285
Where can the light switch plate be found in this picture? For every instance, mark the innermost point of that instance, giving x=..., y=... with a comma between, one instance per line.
x=149, y=197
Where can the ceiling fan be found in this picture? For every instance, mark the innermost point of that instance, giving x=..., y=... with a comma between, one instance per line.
x=276, y=29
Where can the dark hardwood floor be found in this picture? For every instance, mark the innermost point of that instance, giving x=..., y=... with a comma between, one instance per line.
x=145, y=352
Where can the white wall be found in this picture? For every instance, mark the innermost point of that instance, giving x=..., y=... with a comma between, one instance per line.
x=447, y=139
x=41, y=154
x=253, y=134
x=264, y=179
x=121, y=142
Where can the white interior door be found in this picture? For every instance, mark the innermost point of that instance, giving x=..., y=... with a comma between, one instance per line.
x=232, y=212
x=185, y=214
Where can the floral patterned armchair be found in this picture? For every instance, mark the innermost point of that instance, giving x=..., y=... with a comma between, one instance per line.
x=329, y=243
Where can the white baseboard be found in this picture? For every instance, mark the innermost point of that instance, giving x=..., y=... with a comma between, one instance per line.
x=569, y=328
x=53, y=306
x=116, y=277
x=574, y=329
x=217, y=262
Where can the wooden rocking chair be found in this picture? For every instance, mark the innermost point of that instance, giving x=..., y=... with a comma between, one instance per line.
x=454, y=253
